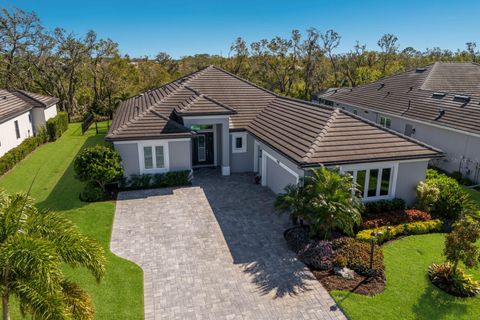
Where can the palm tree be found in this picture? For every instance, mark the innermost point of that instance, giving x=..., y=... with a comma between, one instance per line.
x=295, y=199
x=34, y=246
x=333, y=203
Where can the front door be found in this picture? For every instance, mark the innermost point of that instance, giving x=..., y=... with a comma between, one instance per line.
x=202, y=149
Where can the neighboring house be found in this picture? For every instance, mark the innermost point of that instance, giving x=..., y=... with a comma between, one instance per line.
x=214, y=118
x=21, y=114
x=438, y=104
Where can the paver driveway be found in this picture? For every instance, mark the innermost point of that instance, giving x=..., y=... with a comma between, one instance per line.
x=215, y=250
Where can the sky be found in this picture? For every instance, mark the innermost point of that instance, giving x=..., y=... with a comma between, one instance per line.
x=189, y=27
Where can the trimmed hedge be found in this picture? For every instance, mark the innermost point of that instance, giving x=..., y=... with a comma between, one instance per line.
x=15, y=155
x=159, y=180
x=419, y=227
x=376, y=207
x=394, y=218
x=56, y=126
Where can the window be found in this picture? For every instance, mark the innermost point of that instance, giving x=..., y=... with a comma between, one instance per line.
x=385, y=122
x=17, y=129
x=154, y=158
x=373, y=183
x=239, y=142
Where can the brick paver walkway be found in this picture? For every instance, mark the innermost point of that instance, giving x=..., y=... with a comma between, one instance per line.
x=215, y=250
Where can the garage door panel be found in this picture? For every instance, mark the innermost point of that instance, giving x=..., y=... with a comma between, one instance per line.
x=278, y=177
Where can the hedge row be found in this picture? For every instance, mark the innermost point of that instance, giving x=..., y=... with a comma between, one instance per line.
x=394, y=218
x=389, y=233
x=57, y=125
x=381, y=206
x=159, y=180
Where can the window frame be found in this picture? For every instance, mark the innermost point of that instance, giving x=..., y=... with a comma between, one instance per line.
x=373, y=166
x=17, y=129
x=153, y=145
x=235, y=136
x=385, y=122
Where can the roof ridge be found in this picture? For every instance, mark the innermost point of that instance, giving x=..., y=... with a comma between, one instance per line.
x=152, y=106
x=25, y=93
x=321, y=135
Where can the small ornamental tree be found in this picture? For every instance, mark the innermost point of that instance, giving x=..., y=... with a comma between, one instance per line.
x=295, y=199
x=99, y=165
x=460, y=246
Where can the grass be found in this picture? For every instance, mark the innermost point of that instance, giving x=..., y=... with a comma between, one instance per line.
x=409, y=293
x=120, y=293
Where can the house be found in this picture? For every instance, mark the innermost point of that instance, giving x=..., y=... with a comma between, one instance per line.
x=22, y=113
x=214, y=118
x=438, y=104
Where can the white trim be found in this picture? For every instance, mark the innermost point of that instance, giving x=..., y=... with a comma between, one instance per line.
x=150, y=141
x=404, y=118
x=204, y=117
x=225, y=170
x=264, y=167
x=243, y=136
x=153, y=144
x=256, y=147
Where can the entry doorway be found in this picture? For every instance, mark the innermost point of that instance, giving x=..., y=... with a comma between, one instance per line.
x=203, y=149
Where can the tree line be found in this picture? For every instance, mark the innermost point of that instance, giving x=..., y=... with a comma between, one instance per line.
x=88, y=73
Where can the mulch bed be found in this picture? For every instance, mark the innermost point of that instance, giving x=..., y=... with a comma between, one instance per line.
x=360, y=284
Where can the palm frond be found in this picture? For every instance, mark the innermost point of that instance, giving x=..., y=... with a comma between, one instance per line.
x=78, y=302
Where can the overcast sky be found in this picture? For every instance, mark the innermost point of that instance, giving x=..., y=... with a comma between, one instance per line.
x=189, y=27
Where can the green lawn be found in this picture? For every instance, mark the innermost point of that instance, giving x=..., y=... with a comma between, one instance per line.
x=120, y=293
x=409, y=293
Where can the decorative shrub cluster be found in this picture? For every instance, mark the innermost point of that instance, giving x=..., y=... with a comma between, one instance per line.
x=15, y=155
x=376, y=207
x=159, y=180
x=56, y=126
x=318, y=255
x=389, y=233
x=357, y=255
x=394, y=218
x=98, y=166
x=456, y=283
x=452, y=199
x=297, y=238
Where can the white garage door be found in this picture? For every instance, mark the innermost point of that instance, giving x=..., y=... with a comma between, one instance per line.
x=275, y=174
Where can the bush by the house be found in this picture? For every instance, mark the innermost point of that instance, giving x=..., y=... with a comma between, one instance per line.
x=297, y=238
x=158, y=180
x=56, y=126
x=427, y=196
x=317, y=255
x=339, y=261
x=452, y=200
x=394, y=218
x=357, y=254
x=391, y=232
x=376, y=207
x=98, y=165
x=92, y=193
x=15, y=155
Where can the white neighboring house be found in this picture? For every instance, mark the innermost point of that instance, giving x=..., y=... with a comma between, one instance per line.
x=21, y=114
x=438, y=104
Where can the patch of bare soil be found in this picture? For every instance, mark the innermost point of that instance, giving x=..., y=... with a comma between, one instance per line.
x=360, y=284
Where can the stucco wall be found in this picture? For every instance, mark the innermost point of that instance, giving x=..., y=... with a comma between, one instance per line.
x=455, y=144
x=277, y=177
x=50, y=112
x=38, y=118
x=409, y=175
x=242, y=162
x=179, y=153
x=8, y=137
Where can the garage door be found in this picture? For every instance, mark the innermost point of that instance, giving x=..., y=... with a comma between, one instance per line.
x=275, y=174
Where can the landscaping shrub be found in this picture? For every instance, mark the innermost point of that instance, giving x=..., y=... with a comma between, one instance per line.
x=15, y=155
x=99, y=164
x=56, y=126
x=158, y=180
x=427, y=196
x=339, y=261
x=357, y=254
x=389, y=233
x=394, y=218
x=297, y=238
x=381, y=206
x=92, y=193
x=317, y=255
x=455, y=282
x=452, y=200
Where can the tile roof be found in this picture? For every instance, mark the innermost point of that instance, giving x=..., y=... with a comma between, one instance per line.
x=15, y=102
x=443, y=93
x=304, y=132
